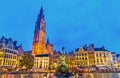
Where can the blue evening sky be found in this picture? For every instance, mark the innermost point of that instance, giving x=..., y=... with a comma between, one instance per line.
x=69, y=23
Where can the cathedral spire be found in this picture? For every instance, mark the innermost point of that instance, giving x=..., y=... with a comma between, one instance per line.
x=39, y=43
x=41, y=13
x=40, y=21
x=40, y=29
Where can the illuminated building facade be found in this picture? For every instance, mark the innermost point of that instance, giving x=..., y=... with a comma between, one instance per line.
x=39, y=42
x=41, y=61
x=103, y=58
x=118, y=61
x=20, y=54
x=88, y=56
x=70, y=60
x=9, y=52
x=82, y=57
x=114, y=60
x=91, y=55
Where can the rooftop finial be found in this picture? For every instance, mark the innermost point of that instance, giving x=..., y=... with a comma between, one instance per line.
x=41, y=12
x=63, y=49
x=41, y=8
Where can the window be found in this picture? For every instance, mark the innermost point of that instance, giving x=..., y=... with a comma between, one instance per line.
x=100, y=55
x=82, y=54
x=96, y=55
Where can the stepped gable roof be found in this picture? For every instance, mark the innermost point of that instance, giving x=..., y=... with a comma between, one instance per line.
x=95, y=49
x=5, y=41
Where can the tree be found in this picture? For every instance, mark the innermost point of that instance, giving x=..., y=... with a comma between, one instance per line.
x=27, y=61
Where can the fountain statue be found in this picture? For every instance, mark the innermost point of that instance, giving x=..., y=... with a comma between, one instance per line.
x=62, y=59
x=62, y=70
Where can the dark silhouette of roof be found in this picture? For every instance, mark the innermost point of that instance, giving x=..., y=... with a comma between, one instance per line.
x=118, y=55
x=8, y=41
x=100, y=49
x=42, y=55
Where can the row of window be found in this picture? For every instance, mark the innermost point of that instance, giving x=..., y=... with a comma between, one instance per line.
x=97, y=55
x=41, y=62
x=40, y=66
x=83, y=58
x=8, y=62
x=9, y=51
x=102, y=55
x=101, y=60
x=10, y=56
x=82, y=54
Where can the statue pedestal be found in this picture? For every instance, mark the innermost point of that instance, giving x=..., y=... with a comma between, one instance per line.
x=62, y=71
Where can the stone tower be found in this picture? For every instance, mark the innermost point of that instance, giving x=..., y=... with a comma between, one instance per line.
x=49, y=47
x=39, y=42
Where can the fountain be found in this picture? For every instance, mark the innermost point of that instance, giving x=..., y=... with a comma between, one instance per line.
x=62, y=70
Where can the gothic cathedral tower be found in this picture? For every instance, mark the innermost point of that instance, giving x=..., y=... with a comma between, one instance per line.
x=39, y=42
